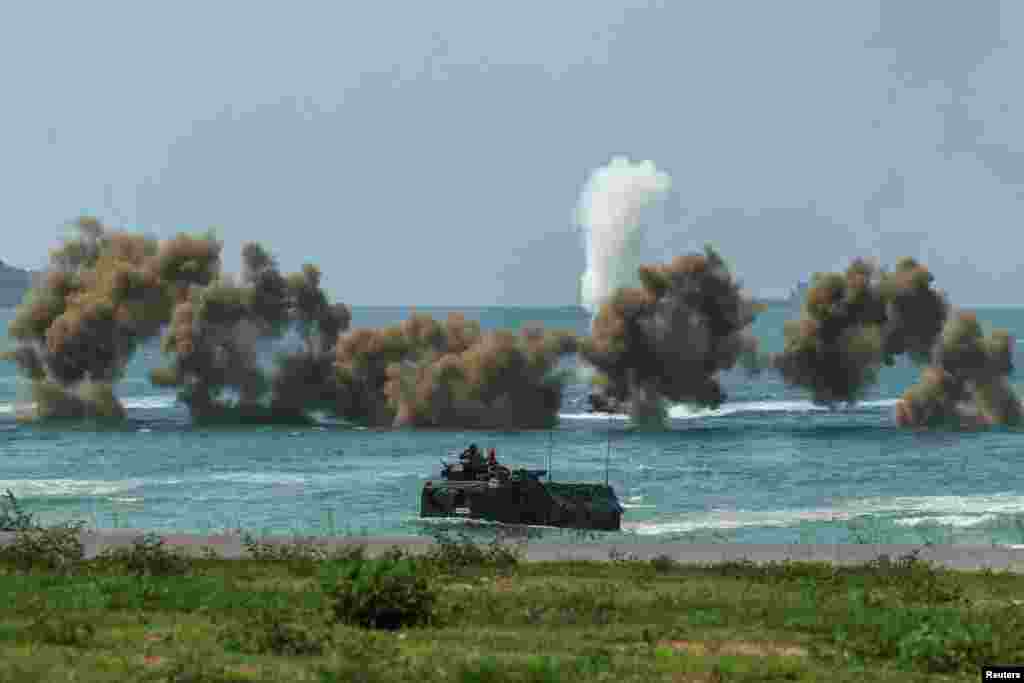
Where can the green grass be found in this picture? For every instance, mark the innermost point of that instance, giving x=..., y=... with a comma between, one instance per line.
x=146, y=613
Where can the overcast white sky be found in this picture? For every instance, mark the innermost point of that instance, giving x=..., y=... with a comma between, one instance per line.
x=433, y=153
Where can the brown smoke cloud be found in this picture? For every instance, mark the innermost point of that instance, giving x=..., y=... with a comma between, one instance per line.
x=427, y=373
x=363, y=356
x=105, y=292
x=966, y=384
x=503, y=380
x=108, y=291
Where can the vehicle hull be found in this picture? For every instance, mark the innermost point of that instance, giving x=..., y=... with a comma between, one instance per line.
x=525, y=501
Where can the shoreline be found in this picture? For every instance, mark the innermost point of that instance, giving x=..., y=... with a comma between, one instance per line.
x=229, y=546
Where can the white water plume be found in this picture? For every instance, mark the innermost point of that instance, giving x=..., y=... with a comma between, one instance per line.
x=610, y=211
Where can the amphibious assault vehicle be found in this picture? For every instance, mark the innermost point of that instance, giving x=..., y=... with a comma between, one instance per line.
x=475, y=488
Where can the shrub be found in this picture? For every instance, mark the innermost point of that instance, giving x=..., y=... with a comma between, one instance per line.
x=57, y=548
x=209, y=553
x=621, y=556
x=533, y=668
x=368, y=657
x=194, y=667
x=388, y=592
x=12, y=517
x=278, y=632
x=298, y=550
x=54, y=628
x=301, y=555
x=147, y=556
x=930, y=639
x=663, y=564
x=459, y=555
x=484, y=670
x=62, y=630
x=947, y=646
x=745, y=568
x=916, y=579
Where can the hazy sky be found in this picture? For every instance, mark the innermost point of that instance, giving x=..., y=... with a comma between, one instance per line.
x=433, y=153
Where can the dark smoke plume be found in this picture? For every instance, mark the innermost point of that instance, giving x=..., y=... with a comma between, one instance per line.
x=668, y=339
x=854, y=322
x=966, y=384
x=215, y=333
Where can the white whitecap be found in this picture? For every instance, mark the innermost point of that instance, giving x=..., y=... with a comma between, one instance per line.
x=956, y=511
x=958, y=521
x=687, y=412
x=60, y=488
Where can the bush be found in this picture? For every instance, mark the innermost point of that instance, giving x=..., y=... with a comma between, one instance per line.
x=916, y=579
x=458, y=555
x=663, y=564
x=53, y=628
x=57, y=548
x=301, y=555
x=745, y=568
x=276, y=632
x=12, y=517
x=368, y=657
x=931, y=639
x=484, y=670
x=947, y=646
x=193, y=667
x=388, y=592
x=147, y=556
x=62, y=630
x=299, y=550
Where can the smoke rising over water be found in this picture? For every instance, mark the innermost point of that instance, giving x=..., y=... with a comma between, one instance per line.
x=107, y=292
x=767, y=466
x=425, y=373
x=667, y=340
x=856, y=322
x=659, y=340
x=610, y=211
x=660, y=332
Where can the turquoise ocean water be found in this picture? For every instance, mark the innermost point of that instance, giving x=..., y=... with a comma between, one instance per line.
x=767, y=467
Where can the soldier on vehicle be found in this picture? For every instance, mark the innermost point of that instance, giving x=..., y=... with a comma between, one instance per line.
x=472, y=457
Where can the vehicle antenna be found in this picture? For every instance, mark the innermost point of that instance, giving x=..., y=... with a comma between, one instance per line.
x=551, y=440
x=608, y=454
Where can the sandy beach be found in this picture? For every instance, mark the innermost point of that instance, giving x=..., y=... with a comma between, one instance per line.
x=230, y=546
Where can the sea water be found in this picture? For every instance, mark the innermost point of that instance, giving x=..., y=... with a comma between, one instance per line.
x=768, y=466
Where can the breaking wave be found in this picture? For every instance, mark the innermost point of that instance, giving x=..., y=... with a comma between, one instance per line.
x=68, y=488
x=151, y=402
x=913, y=511
x=685, y=412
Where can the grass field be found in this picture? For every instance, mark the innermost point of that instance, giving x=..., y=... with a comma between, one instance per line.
x=296, y=613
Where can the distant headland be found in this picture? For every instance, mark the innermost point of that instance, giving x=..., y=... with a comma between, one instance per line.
x=14, y=282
